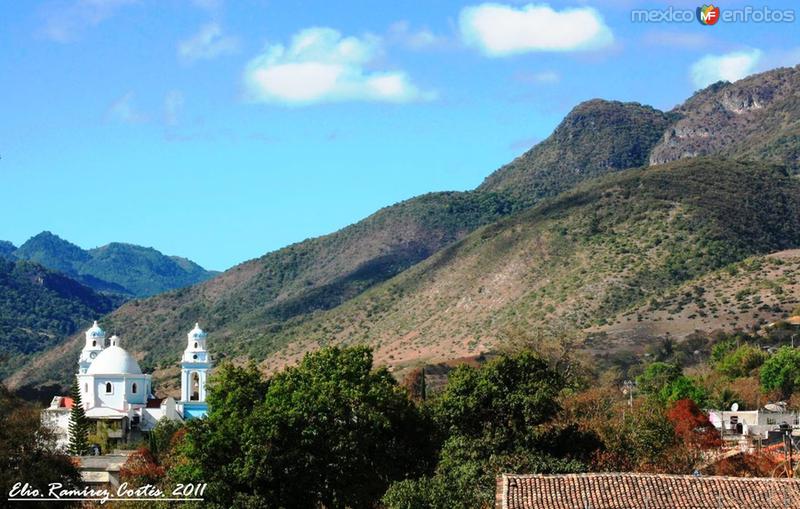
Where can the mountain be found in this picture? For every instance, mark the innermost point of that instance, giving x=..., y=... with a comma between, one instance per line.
x=756, y=118
x=568, y=265
x=595, y=138
x=39, y=308
x=123, y=269
x=449, y=274
x=7, y=249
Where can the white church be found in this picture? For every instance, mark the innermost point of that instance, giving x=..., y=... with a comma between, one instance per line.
x=114, y=390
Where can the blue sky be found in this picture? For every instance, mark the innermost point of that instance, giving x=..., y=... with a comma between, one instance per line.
x=223, y=130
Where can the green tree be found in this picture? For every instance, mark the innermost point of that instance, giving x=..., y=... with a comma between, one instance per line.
x=637, y=440
x=331, y=432
x=78, y=423
x=741, y=361
x=782, y=371
x=681, y=388
x=725, y=398
x=159, y=440
x=656, y=376
x=28, y=452
x=496, y=418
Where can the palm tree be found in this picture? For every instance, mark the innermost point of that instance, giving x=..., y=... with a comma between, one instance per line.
x=725, y=398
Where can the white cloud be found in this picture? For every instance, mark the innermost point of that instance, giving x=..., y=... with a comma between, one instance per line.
x=123, y=110
x=209, y=42
x=322, y=66
x=173, y=104
x=63, y=22
x=729, y=67
x=501, y=30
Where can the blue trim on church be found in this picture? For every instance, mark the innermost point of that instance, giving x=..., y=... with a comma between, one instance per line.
x=194, y=410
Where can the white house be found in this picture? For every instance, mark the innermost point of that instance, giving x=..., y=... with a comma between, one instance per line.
x=114, y=390
x=753, y=423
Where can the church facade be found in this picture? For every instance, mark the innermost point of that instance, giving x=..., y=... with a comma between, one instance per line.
x=118, y=397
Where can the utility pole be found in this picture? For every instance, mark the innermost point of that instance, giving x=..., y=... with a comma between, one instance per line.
x=627, y=390
x=788, y=446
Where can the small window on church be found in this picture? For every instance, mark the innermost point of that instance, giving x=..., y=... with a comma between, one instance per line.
x=195, y=385
x=94, y=343
x=109, y=389
x=194, y=356
x=133, y=388
x=86, y=388
x=195, y=344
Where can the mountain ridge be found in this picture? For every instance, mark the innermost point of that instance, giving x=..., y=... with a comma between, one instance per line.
x=755, y=118
x=344, y=286
x=39, y=308
x=119, y=268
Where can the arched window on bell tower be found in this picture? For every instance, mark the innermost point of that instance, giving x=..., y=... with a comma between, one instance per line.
x=195, y=387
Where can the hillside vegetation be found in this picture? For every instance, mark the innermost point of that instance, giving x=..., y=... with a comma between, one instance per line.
x=566, y=265
x=446, y=275
x=39, y=308
x=124, y=269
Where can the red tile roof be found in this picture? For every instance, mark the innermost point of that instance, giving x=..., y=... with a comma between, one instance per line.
x=644, y=491
x=154, y=403
x=66, y=402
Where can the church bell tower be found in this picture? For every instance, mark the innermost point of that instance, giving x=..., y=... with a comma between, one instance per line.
x=95, y=342
x=195, y=366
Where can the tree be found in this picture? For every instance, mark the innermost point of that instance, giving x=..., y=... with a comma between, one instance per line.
x=740, y=361
x=331, y=432
x=636, y=440
x=692, y=425
x=683, y=387
x=656, y=376
x=160, y=439
x=141, y=468
x=28, y=451
x=725, y=398
x=782, y=371
x=78, y=423
x=496, y=418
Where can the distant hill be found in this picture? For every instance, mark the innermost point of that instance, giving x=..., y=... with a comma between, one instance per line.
x=6, y=249
x=756, y=118
x=565, y=240
x=124, y=269
x=39, y=308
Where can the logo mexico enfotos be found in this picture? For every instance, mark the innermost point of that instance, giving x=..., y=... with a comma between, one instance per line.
x=709, y=14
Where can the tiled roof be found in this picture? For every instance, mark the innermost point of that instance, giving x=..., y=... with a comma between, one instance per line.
x=644, y=491
x=154, y=402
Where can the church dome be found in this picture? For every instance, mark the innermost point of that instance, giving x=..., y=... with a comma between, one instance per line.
x=197, y=333
x=95, y=331
x=113, y=361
